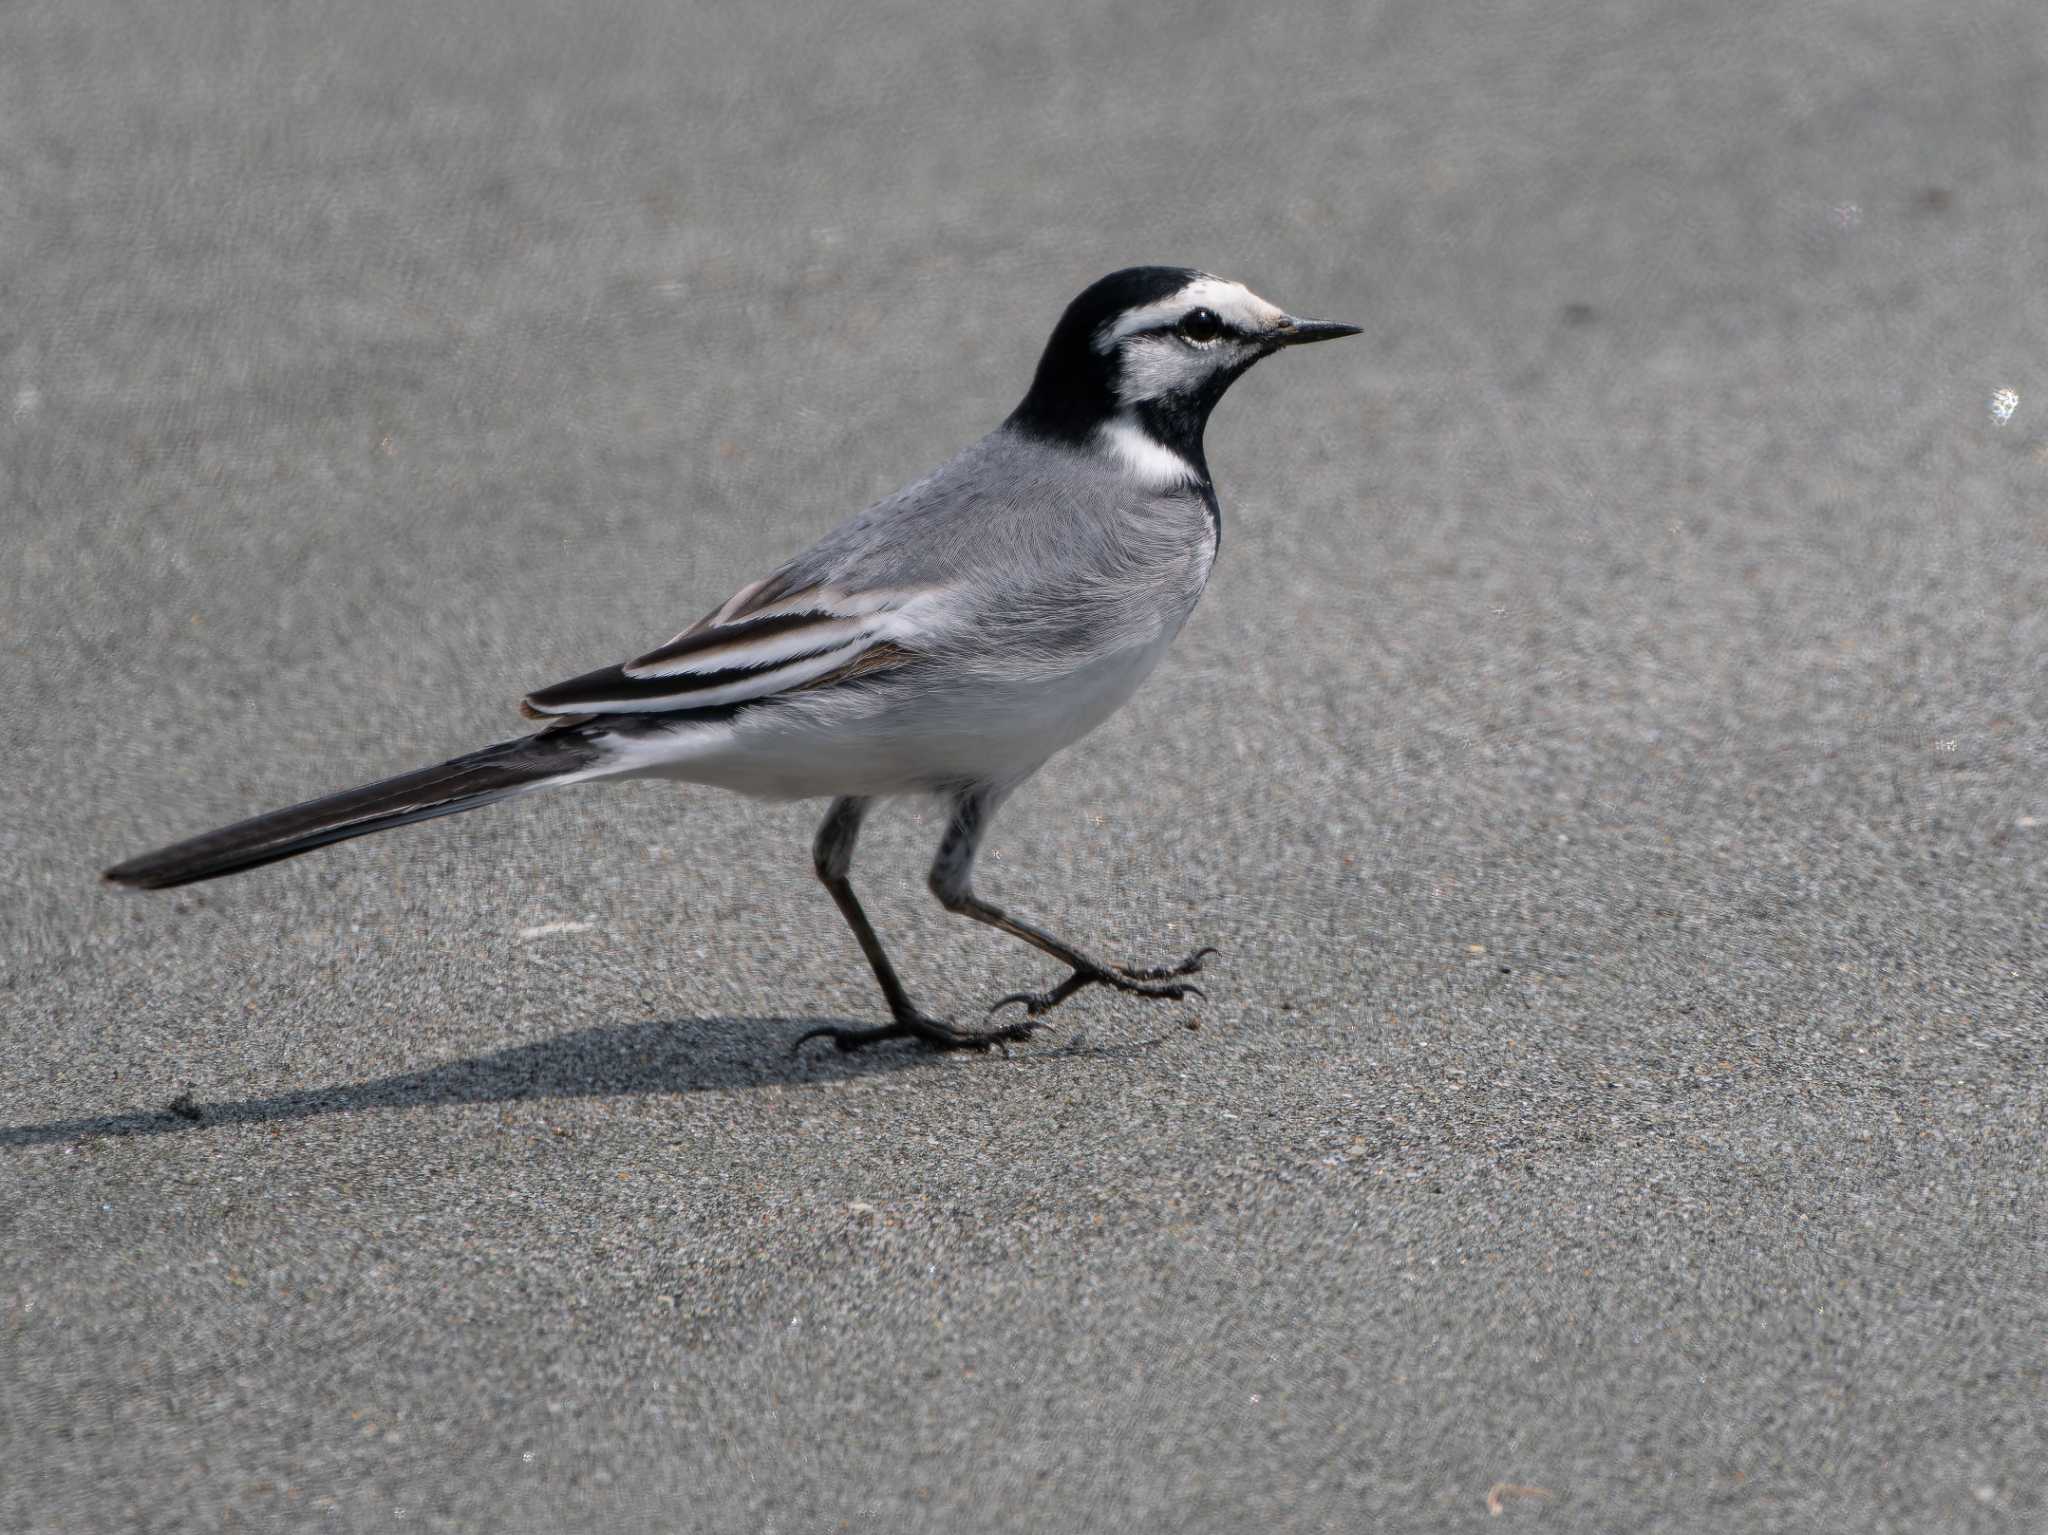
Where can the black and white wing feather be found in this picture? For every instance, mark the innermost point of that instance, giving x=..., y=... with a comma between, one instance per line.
x=766, y=640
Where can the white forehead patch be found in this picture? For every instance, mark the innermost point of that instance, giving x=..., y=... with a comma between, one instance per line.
x=1234, y=303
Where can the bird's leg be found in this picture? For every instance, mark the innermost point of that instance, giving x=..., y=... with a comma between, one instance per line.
x=952, y=881
x=832, y=855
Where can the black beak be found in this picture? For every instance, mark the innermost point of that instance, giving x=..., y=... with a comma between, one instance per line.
x=1293, y=332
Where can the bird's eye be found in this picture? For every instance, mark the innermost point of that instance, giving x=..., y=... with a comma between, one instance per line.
x=1201, y=325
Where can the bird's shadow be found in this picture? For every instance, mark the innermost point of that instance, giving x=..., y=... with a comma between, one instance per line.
x=686, y=1055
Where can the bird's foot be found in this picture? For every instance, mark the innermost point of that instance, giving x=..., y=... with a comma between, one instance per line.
x=1158, y=981
x=934, y=1032
x=1192, y=965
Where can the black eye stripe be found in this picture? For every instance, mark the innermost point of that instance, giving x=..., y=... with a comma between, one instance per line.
x=1224, y=331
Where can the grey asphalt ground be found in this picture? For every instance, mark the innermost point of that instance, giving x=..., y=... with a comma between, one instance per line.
x=1610, y=757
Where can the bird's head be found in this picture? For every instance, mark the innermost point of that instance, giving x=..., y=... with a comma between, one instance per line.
x=1142, y=356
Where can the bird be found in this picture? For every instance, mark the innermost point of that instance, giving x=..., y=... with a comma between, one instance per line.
x=947, y=641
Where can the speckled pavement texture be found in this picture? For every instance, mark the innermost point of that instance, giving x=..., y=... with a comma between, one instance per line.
x=1610, y=757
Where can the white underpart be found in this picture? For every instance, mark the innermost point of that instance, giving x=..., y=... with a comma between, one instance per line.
x=1234, y=304
x=829, y=745
x=986, y=719
x=1156, y=465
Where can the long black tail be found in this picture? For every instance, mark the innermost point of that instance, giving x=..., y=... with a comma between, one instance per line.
x=465, y=783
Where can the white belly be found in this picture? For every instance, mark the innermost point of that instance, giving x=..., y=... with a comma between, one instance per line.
x=988, y=731
x=994, y=719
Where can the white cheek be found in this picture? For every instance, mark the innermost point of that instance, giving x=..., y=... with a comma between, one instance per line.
x=1156, y=366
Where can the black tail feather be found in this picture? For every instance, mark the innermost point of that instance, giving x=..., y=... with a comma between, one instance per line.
x=464, y=783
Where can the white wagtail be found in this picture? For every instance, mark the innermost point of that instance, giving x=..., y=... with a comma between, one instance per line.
x=947, y=640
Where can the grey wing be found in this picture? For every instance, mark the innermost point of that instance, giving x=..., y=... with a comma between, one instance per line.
x=854, y=603
x=1001, y=539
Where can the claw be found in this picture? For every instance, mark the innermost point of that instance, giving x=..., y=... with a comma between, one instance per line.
x=938, y=1035
x=1136, y=983
x=1035, y=1002
x=1159, y=982
x=839, y=1037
